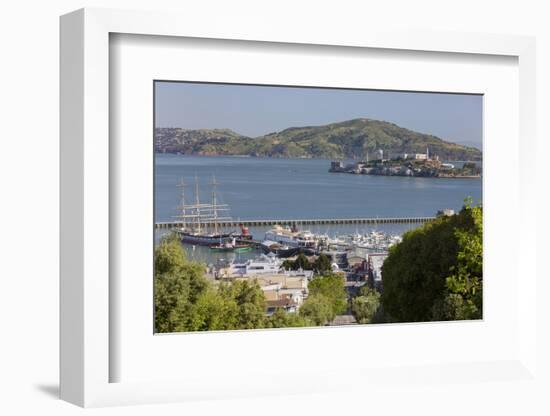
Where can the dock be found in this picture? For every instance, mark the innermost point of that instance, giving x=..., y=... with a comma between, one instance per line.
x=301, y=222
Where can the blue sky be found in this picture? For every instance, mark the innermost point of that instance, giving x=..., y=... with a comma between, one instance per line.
x=256, y=110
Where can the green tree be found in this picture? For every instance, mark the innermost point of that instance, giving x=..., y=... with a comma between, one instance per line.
x=322, y=265
x=239, y=305
x=171, y=301
x=282, y=319
x=332, y=287
x=301, y=262
x=186, y=301
x=169, y=257
x=212, y=312
x=365, y=306
x=178, y=283
x=464, y=284
x=317, y=309
x=249, y=300
x=431, y=263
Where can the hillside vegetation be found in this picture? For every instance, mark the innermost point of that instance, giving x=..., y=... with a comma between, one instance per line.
x=351, y=139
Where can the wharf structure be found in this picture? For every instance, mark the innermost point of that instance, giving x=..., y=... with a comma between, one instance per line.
x=300, y=222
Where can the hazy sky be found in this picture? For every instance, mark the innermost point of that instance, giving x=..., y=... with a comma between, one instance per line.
x=257, y=110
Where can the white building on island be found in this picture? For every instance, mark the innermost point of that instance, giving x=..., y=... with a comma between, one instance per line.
x=418, y=156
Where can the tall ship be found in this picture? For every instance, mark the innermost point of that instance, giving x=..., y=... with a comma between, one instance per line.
x=200, y=220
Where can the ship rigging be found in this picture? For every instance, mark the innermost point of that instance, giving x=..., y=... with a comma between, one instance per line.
x=200, y=221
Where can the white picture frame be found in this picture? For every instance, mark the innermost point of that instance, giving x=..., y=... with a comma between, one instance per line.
x=86, y=305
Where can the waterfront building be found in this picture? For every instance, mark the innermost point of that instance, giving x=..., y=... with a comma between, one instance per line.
x=284, y=290
x=265, y=264
x=418, y=156
x=285, y=280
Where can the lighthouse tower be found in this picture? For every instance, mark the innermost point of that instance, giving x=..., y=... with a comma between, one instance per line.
x=427, y=153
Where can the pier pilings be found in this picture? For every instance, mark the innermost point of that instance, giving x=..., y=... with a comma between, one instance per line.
x=302, y=222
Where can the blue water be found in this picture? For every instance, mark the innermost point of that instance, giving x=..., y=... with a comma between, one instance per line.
x=302, y=188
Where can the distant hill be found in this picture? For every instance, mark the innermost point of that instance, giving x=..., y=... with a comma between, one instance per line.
x=471, y=143
x=351, y=139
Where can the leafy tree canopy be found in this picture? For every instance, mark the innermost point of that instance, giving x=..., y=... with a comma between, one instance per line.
x=301, y=262
x=322, y=265
x=327, y=298
x=282, y=319
x=365, y=306
x=186, y=301
x=435, y=273
x=332, y=288
x=317, y=309
x=178, y=284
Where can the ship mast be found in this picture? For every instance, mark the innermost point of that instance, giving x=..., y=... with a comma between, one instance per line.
x=181, y=185
x=201, y=215
x=197, y=202
x=214, y=204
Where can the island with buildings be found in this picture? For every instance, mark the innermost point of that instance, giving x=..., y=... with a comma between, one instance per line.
x=408, y=164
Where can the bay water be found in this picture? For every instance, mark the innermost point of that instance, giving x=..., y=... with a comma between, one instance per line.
x=266, y=188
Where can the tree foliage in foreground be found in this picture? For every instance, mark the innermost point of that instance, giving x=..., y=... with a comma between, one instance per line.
x=332, y=287
x=435, y=273
x=327, y=298
x=186, y=301
x=282, y=319
x=178, y=285
x=463, y=299
x=365, y=306
x=318, y=310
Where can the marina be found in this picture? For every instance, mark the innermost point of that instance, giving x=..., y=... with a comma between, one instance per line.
x=273, y=251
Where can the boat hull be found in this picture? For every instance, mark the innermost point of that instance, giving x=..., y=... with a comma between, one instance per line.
x=204, y=240
x=289, y=252
x=242, y=249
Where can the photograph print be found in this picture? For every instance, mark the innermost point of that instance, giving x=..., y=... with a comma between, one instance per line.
x=292, y=206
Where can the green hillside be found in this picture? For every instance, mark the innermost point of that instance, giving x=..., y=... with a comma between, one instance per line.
x=351, y=139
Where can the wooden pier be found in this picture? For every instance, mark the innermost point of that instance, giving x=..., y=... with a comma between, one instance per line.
x=302, y=222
